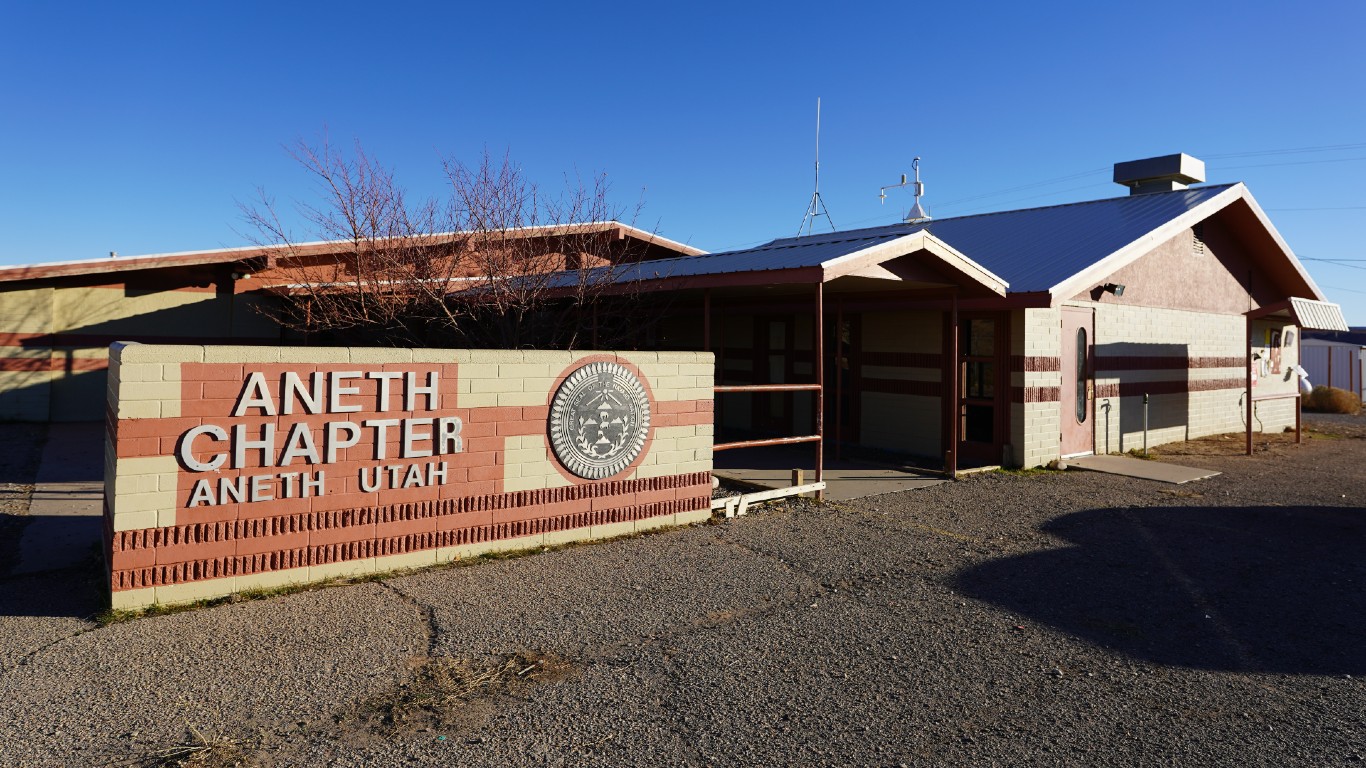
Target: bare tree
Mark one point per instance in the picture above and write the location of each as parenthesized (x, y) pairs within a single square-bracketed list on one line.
[(496, 261)]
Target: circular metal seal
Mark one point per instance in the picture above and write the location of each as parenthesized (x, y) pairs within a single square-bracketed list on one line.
[(599, 419)]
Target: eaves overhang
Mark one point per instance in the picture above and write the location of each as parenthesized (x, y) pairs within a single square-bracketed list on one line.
[(920, 241)]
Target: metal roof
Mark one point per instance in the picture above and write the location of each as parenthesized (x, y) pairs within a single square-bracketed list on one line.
[(1356, 336), (1032, 249), (1319, 315)]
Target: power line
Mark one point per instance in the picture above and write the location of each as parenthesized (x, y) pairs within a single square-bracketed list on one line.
[(1338, 263), (1298, 150), (1293, 162), (1335, 208), (1031, 185)]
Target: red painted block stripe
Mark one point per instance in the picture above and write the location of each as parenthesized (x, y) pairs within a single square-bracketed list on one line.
[(1035, 394), (1021, 363)]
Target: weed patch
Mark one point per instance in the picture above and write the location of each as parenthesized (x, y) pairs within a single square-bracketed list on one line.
[(199, 750), (455, 695), (1027, 471)]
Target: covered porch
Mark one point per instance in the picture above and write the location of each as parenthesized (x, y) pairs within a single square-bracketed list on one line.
[(843, 352)]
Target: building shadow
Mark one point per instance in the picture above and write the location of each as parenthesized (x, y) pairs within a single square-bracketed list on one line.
[(1129, 370), (1265, 589), (80, 591)]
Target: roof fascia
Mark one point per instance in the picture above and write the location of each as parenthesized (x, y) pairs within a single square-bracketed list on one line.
[(757, 278), (922, 240), (626, 230), (102, 266), (1133, 251), (311, 248)]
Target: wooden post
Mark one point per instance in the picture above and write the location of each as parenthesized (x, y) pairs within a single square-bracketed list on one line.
[(820, 381), (951, 391), (1249, 386)]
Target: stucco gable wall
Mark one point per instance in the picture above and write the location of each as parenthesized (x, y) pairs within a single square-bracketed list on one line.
[(1210, 274)]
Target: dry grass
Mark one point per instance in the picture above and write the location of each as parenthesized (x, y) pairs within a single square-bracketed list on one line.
[(199, 750), (1332, 400), (446, 694)]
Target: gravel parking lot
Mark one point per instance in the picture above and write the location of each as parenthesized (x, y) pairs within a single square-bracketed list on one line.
[(1037, 618)]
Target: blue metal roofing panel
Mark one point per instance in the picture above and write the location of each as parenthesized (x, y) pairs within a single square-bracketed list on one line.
[(1031, 249), (1038, 248)]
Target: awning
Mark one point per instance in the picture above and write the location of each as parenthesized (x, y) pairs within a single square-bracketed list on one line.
[(1306, 313)]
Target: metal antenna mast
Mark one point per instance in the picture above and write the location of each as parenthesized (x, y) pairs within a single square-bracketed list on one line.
[(816, 208)]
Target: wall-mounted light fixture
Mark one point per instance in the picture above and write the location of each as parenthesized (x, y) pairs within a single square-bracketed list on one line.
[(1115, 288)]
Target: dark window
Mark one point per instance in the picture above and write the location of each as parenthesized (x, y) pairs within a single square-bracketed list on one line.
[(1081, 376)]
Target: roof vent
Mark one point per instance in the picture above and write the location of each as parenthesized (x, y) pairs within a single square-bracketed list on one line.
[(1160, 174)]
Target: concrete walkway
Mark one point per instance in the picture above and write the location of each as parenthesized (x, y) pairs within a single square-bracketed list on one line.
[(1140, 468), (66, 507)]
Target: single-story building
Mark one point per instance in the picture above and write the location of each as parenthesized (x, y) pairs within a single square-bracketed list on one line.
[(1013, 338)]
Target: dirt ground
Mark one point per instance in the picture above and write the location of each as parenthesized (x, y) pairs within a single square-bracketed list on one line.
[(1025, 618)]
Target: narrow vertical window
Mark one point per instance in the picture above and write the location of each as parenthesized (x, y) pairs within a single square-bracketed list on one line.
[(1081, 376)]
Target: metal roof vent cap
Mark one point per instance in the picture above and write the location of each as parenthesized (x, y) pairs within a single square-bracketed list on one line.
[(1160, 174)]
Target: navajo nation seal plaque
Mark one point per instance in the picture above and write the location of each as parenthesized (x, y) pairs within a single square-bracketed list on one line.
[(599, 419)]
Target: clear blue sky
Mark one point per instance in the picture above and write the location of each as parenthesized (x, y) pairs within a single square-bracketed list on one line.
[(135, 127)]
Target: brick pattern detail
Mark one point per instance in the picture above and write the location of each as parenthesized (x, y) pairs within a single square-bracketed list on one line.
[(299, 557), (1034, 364), (281, 525), (1035, 394)]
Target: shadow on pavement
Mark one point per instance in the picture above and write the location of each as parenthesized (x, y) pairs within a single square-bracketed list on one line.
[(1272, 589), (74, 592)]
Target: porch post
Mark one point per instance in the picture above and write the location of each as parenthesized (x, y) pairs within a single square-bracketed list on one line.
[(820, 382), (951, 391), (1248, 347)]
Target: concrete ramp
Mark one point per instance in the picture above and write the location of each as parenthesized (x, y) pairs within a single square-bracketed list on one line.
[(1143, 469), (841, 484)]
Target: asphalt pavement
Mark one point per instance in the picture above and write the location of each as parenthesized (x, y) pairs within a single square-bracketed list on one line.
[(1037, 618)]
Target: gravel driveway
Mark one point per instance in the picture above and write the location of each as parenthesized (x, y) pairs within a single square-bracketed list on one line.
[(1041, 618)]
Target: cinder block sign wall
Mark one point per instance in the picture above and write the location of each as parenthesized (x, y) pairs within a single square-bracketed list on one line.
[(237, 468)]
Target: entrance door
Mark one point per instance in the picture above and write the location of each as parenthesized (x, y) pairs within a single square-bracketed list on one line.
[(842, 379), (772, 365), (982, 408), (1077, 406)]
